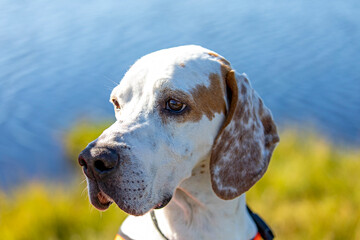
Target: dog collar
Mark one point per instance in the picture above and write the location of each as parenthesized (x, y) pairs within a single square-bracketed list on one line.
[(153, 218), (264, 231)]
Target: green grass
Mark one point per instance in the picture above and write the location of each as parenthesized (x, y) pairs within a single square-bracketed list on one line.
[(311, 191), (58, 211), (41, 211)]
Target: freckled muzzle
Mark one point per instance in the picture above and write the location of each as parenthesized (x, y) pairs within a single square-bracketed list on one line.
[(114, 177)]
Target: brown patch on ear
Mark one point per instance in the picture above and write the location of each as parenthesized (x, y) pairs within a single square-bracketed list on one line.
[(224, 61), (224, 69), (220, 59), (231, 84), (213, 54), (246, 81), (243, 89), (243, 147), (270, 132), (261, 107)]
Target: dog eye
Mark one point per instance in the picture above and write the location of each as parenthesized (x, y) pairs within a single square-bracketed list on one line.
[(175, 106), (116, 104)]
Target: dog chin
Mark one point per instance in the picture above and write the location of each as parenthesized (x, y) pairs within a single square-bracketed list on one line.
[(138, 210)]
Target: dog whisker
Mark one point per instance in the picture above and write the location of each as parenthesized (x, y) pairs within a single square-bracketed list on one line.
[(83, 192), (84, 180)]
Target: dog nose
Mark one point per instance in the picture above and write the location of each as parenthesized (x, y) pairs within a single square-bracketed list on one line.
[(98, 162)]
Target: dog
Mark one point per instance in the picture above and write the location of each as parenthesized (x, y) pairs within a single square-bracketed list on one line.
[(191, 137)]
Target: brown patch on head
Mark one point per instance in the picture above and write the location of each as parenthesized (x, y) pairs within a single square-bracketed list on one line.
[(202, 101), (243, 147), (209, 100), (182, 65)]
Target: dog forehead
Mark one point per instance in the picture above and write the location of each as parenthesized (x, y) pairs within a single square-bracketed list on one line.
[(177, 68)]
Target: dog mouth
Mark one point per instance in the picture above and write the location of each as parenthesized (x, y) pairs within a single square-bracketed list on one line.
[(98, 198), (104, 200), (101, 201), (101, 197), (163, 203)]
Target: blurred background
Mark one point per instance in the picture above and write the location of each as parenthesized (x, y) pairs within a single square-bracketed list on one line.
[(59, 61)]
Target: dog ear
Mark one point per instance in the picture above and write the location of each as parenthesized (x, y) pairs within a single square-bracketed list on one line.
[(244, 144)]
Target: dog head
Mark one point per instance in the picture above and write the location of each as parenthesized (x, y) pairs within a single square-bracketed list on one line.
[(175, 108)]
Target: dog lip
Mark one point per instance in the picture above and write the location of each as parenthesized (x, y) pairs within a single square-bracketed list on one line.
[(103, 198), (101, 201), (163, 203), (101, 206), (98, 198)]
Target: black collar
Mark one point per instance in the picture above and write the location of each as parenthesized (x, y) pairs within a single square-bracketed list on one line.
[(153, 218), (264, 230)]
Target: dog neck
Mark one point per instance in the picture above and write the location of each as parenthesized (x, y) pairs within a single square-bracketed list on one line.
[(194, 214)]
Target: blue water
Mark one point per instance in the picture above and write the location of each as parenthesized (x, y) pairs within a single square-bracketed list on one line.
[(59, 61)]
